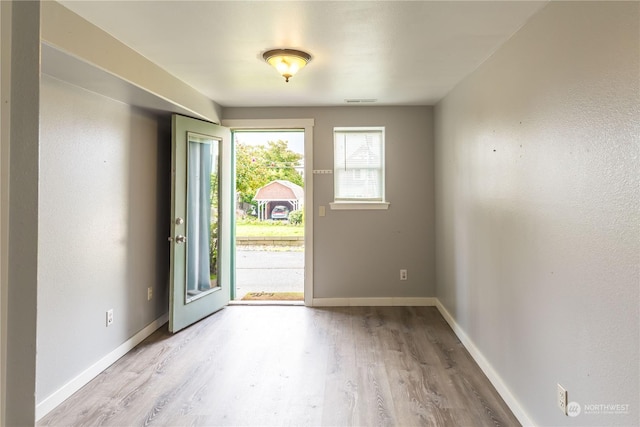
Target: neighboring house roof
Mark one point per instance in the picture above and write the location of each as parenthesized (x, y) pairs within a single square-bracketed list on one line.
[(364, 155), (280, 190)]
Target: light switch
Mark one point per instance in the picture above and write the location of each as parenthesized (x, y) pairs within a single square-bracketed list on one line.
[(321, 211)]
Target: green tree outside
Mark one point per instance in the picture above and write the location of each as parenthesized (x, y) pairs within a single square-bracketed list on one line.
[(256, 166)]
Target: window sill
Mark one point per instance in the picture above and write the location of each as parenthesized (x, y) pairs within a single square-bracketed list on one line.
[(359, 205)]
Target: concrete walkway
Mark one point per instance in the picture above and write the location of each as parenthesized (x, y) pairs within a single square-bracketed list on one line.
[(268, 271)]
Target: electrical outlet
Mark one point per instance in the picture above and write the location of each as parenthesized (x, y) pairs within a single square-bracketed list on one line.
[(562, 399), (149, 293), (403, 274), (109, 317)]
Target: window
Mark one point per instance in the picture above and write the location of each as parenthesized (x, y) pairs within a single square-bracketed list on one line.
[(358, 168)]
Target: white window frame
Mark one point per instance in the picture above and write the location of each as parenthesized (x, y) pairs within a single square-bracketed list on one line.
[(355, 204)]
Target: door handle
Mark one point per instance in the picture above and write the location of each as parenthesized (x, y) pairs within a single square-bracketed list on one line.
[(181, 239)]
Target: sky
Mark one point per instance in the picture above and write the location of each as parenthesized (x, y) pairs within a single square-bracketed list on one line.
[(295, 138)]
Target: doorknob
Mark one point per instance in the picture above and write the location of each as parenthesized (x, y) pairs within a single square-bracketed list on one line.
[(181, 239)]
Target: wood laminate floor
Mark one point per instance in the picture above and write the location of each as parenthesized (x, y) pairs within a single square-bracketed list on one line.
[(294, 366)]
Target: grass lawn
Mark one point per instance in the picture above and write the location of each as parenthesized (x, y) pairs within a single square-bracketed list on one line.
[(267, 228)]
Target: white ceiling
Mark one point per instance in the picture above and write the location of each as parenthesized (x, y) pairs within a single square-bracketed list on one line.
[(397, 52)]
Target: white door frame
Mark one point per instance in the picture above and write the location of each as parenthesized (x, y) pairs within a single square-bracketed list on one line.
[(307, 125)]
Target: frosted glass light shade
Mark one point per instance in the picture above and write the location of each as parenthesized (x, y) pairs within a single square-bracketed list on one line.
[(287, 61)]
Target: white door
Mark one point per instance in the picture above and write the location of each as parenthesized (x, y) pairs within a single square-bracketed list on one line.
[(201, 214)]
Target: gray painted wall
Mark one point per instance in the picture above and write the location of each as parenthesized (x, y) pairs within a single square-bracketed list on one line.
[(537, 203), (104, 218), (20, 283), (360, 253)]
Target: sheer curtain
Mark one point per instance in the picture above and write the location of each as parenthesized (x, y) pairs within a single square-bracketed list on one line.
[(198, 217)]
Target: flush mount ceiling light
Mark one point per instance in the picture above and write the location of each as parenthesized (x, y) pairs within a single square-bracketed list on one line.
[(287, 61)]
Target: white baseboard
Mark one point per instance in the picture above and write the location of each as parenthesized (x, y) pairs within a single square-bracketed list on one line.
[(486, 367), (375, 302), (64, 392)]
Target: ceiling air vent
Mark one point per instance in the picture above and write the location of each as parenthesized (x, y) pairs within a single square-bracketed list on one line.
[(360, 101)]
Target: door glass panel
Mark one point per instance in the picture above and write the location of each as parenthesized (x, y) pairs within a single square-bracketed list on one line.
[(203, 213)]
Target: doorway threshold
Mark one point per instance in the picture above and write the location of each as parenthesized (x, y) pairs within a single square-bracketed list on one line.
[(275, 302)]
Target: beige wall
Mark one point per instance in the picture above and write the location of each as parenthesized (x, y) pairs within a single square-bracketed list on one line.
[(537, 203), (359, 253)]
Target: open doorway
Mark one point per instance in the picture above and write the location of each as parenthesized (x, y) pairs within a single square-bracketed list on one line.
[(269, 215)]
